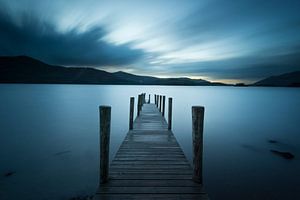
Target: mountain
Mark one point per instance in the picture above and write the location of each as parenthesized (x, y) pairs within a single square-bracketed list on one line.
[(23, 69), (291, 79)]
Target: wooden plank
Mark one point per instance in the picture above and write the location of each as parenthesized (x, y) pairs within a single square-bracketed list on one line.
[(149, 153), (152, 196), (158, 183), (151, 171), (150, 162), (154, 166), (149, 158), (150, 176), (147, 190)]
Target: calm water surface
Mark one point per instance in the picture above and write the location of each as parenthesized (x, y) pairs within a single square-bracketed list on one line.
[(49, 138)]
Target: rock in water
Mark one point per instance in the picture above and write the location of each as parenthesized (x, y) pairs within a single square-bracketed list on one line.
[(273, 141), (286, 155), (9, 174)]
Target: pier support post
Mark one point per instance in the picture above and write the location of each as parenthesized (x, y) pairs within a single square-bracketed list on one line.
[(163, 106), (105, 117), (198, 119), (170, 114), (160, 97), (157, 101), (131, 111), (149, 99), (139, 105)]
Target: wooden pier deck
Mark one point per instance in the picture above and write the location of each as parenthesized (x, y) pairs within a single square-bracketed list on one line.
[(150, 164)]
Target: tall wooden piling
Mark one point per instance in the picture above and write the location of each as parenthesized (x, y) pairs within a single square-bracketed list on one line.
[(105, 118), (160, 98), (198, 119), (139, 105), (170, 114), (163, 105), (149, 98), (158, 101), (131, 112)]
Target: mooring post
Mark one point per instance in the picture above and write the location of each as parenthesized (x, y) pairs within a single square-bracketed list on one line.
[(131, 111), (198, 119), (170, 114), (138, 105), (160, 97), (105, 117), (142, 99), (163, 106), (149, 98), (155, 99)]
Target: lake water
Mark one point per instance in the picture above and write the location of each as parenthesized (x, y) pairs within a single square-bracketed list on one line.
[(50, 138)]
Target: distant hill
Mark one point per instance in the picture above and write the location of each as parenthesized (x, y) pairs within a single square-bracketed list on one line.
[(291, 79), (23, 69)]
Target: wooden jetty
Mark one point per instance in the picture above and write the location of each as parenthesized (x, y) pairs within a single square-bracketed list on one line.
[(150, 163)]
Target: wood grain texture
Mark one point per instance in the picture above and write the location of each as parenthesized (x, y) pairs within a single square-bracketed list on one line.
[(131, 113), (105, 118), (150, 163)]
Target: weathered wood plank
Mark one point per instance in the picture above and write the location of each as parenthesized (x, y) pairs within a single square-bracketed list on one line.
[(149, 176), (147, 190), (157, 183), (151, 196), (150, 162)]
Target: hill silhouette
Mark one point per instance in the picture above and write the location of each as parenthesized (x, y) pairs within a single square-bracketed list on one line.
[(291, 79), (24, 69)]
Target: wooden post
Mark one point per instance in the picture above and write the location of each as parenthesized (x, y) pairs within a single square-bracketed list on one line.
[(155, 99), (170, 114), (149, 98), (163, 106), (131, 111), (105, 117), (198, 119), (160, 103), (139, 105)]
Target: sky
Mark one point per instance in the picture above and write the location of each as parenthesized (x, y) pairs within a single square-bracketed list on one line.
[(227, 41)]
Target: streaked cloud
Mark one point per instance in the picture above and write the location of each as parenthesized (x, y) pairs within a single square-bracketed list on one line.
[(39, 39)]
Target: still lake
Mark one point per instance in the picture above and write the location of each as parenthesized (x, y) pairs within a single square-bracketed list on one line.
[(49, 138)]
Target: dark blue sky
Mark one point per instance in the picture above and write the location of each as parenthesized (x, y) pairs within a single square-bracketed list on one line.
[(227, 41)]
